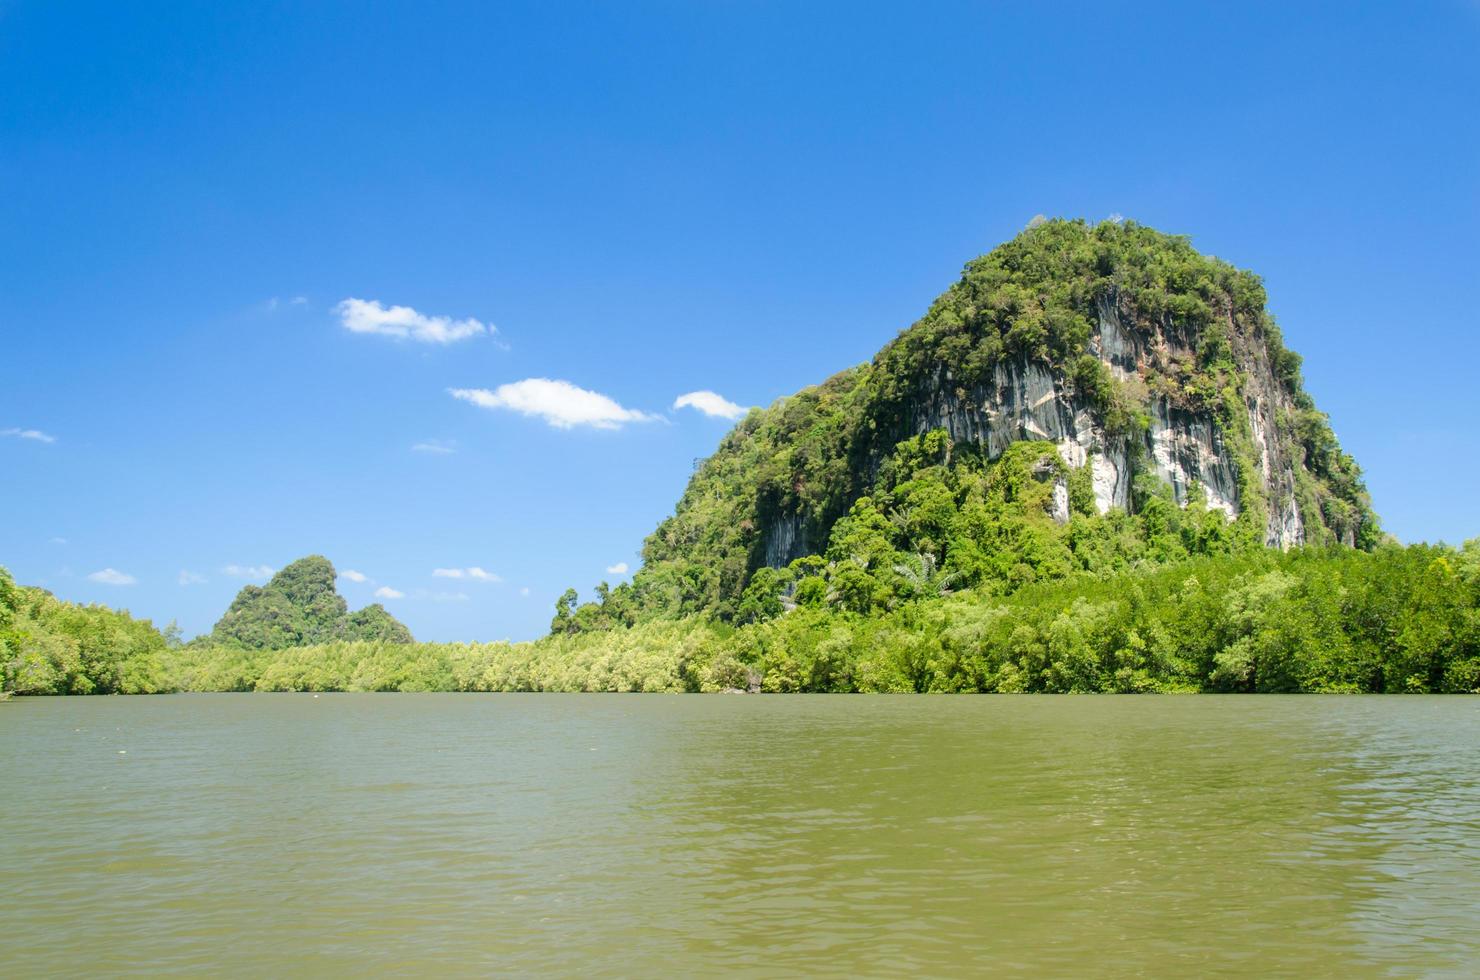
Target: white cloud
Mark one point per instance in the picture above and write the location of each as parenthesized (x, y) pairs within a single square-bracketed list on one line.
[(524, 591), (35, 435), (368, 316), (299, 301), (353, 575), (112, 576), (248, 571), (560, 403), (474, 573), (710, 404), (58, 540), (190, 578), (386, 592), (620, 568), (441, 447)]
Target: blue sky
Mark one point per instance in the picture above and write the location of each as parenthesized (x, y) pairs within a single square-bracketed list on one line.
[(644, 200)]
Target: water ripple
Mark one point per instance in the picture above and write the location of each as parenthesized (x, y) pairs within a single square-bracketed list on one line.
[(275, 835)]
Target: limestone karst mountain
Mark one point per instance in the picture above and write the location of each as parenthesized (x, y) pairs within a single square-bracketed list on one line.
[(1152, 371)]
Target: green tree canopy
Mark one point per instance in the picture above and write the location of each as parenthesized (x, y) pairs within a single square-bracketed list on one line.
[(298, 607)]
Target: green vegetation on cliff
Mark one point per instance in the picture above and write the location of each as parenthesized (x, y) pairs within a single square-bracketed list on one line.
[(941, 519), (298, 607)]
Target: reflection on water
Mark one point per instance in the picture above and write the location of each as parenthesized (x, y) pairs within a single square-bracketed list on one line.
[(286, 834)]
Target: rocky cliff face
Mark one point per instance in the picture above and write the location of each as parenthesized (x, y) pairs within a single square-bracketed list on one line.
[(1184, 448)]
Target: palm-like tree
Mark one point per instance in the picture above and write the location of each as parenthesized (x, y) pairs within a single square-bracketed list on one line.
[(923, 578)]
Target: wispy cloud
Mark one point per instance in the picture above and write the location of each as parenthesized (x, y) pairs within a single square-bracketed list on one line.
[(58, 540), (386, 592), (248, 571), (402, 322), (35, 435), (354, 576), (524, 591), (620, 568), (441, 447), (188, 577), (112, 576), (710, 404), (560, 403), (475, 573)]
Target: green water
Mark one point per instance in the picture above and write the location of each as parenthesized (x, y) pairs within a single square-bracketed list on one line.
[(278, 835)]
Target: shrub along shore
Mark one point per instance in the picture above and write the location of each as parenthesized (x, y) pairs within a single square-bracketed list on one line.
[(1394, 620)]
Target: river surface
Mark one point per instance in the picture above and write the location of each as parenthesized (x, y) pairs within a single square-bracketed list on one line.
[(292, 835)]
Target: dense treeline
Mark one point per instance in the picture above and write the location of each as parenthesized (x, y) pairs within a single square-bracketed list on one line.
[(1396, 620), (52, 647), (1331, 620), (48, 646)]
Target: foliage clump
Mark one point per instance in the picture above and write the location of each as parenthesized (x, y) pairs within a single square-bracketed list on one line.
[(52, 647), (298, 607)]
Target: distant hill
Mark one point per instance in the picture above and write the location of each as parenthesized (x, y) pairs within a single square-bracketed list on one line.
[(299, 607)]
